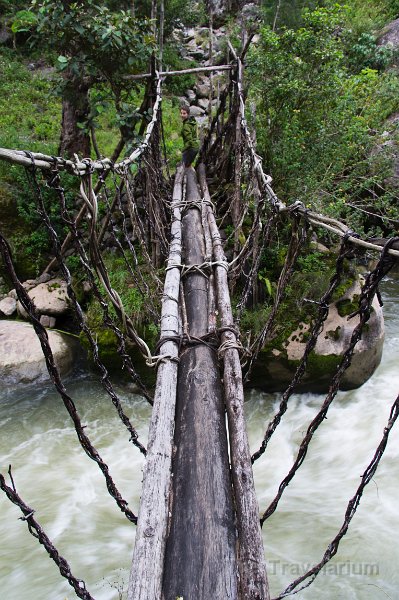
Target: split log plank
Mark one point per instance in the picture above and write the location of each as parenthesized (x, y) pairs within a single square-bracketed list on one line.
[(148, 557), (200, 558), (251, 557)]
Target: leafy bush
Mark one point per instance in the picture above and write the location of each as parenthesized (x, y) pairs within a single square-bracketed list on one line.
[(317, 121)]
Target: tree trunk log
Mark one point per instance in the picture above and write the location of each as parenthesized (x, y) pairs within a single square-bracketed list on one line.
[(200, 554), (251, 558), (148, 556), (75, 111)]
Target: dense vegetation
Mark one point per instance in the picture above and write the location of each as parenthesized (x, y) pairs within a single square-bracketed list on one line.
[(327, 90)]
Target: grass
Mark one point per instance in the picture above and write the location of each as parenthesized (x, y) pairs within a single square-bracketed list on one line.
[(29, 114)]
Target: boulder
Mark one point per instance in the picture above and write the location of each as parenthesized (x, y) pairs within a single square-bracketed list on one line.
[(21, 356), (8, 306), (203, 103), (196, 111), (389, 36), (50, 298), (202, 90), (276, 367), (190, 95)]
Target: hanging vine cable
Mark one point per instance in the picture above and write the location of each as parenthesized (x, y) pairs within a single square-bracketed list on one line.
[(38, 532)]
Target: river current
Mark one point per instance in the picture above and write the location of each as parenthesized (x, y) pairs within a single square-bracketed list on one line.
[(55, 477)]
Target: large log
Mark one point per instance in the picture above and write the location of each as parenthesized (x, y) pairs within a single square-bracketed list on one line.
[(200, 556), (148, 556), (251, 557)]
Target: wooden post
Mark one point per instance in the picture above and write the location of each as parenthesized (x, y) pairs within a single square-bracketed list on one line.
[(236, 205), (251, 559), (148, 556), (200, 559)]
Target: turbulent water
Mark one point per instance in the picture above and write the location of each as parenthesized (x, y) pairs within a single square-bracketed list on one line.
[(68, 492)]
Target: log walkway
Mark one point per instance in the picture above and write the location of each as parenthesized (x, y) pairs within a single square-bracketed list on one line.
[(198, 534)]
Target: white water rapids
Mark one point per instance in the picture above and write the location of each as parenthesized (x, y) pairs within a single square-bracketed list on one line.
[(67, 490)]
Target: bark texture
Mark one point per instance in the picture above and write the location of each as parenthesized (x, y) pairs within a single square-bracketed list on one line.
[(75, 110), (200, 555)]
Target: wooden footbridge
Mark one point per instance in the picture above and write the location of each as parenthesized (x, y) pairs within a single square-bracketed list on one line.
[(198, 526), (198, 534)]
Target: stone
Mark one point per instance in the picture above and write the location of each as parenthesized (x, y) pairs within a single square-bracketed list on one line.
[(21, 356), (389, 36), (189, 34), (196, 111), (87, 287), (202, 90), (50, 298), (190, 95), (203, 103), (275, 368), (5, 34), (8, 306), (44, 278), (47, 321)]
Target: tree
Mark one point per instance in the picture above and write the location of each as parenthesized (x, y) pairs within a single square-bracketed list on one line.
[(96, 45)]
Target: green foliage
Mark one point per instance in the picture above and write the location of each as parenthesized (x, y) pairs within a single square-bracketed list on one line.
[(23, 20), (363, 52), (28, 111), (312, 262), (91, 39), (317, 120)]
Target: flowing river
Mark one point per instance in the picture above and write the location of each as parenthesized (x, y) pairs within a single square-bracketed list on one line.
[(67, 490)]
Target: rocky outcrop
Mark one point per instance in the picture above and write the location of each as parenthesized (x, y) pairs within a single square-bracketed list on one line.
[(21, 356), (389, 36), (8, 306), (276, 366), (50, 299)]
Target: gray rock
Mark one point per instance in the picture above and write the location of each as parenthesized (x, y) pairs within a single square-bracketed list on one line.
[(202, 90), (190, 95), (203, 103), (29, 284), (21, 356), (44, 278), (275, 369), (196, 111), (189, 34), (13, 294), (49, 298), (8, 306), (5, 34), (389, 36), (87, 287), (47, 321)]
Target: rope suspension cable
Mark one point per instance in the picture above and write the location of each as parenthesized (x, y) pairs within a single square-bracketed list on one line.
[(67, 277), (41, 332), (54, 183), (79, 167), (323, 310), (296, 242), (368, 292), (354, 502), (38, 532)]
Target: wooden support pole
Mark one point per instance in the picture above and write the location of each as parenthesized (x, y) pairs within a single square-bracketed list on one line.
[(251, 559), (236, 205), (200, 559), (148, 557), (182, 72)]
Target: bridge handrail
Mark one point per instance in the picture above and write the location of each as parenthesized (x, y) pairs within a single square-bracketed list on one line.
[(80, 167), (333, 225)]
